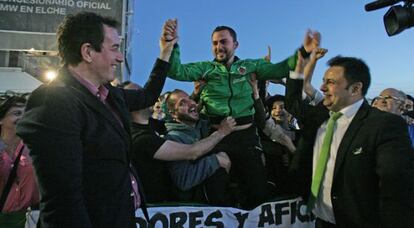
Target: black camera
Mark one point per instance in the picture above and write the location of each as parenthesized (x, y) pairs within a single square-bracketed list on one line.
[(398, 17)]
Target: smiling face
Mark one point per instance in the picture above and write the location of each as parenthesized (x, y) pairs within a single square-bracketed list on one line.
[(389, 101), (185, 109), (105, 62), (337, 92), (223, 46), (278, 111), (11, 118)]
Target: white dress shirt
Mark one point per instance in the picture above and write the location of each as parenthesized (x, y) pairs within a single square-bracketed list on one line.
[(323, 205)]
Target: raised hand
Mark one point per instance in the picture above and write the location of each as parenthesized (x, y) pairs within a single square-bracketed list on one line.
[(318, 53), (312, 40), (169, 37), (170, 31)]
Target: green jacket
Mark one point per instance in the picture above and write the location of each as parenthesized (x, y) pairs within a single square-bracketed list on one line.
[(228, 92)]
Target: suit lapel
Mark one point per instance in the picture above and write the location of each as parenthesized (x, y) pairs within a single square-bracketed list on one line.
[(86, 97), (350, 133)]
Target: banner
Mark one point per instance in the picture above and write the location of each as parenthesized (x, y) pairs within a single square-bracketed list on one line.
[(45, 15), (26, 24), (289, 213)]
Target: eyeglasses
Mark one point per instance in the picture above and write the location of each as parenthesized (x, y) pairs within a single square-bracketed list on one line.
[(388, 98)]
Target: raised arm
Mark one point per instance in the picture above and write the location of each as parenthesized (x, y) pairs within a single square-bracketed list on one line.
[(293, 93), (169, 37), (148, 95), (260, 113), (267, 71), (308, 70), (184, 72)]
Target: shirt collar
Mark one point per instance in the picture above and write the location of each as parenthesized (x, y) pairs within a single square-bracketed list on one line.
[(350, 111), (235, 59), (100, 92)]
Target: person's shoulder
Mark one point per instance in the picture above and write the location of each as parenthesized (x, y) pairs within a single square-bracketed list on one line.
[(383, 119), (378, 114), (53, 99), (53, 90)]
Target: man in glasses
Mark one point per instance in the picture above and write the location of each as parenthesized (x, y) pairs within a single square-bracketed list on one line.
[(395, 101), (390, 100)]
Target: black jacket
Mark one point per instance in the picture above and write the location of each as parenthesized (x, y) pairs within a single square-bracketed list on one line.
[(81, 152), (373, 181)]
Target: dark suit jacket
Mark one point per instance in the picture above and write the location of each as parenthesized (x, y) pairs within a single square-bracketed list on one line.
[(81, 151), (372, 187)]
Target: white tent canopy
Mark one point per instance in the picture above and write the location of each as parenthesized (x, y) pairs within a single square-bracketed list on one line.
[(13, 79)]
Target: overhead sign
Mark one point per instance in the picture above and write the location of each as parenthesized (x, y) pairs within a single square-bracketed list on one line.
[(43, 16), (31, 24)]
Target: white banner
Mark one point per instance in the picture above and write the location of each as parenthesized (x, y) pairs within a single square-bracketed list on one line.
[(289, 213), (286, 213)]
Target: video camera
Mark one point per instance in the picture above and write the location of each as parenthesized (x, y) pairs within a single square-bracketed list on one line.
[(398, 17)]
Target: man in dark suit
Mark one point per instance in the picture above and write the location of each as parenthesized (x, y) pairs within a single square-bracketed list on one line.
[(77, 128), (368, 176)]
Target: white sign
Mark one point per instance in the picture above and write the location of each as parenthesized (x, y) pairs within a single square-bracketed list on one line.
[(289, 213)]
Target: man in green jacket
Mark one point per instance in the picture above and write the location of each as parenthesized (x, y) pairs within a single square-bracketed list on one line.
[(228, 93)]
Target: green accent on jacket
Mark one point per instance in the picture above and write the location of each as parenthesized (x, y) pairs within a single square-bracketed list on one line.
[(228, 92)]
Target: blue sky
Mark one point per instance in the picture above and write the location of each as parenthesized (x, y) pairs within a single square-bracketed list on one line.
[(345, 26)]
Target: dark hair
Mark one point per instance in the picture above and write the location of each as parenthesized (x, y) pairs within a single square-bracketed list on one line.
[(273, 99), (13, 101), (75, 30), (222, 28), (409, 97), (355, 70)]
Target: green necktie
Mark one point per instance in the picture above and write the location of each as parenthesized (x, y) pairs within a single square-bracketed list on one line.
[(323, 159)]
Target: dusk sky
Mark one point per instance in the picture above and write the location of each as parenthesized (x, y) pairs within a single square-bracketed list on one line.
[(346, 29)]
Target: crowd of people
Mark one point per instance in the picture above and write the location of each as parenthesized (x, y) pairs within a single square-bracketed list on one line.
[(91, 149)]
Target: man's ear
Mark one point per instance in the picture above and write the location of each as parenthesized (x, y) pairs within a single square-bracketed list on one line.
[(236, 44), (86, 50), (356, 88)]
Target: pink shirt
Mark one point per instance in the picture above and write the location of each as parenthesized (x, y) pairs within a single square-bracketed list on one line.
[(101, 93), (24, 192)]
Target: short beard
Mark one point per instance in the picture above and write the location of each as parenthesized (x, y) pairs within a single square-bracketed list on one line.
[(223, 61), (186, 118)]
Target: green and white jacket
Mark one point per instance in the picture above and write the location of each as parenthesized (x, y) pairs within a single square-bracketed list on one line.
[(228, 92)]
